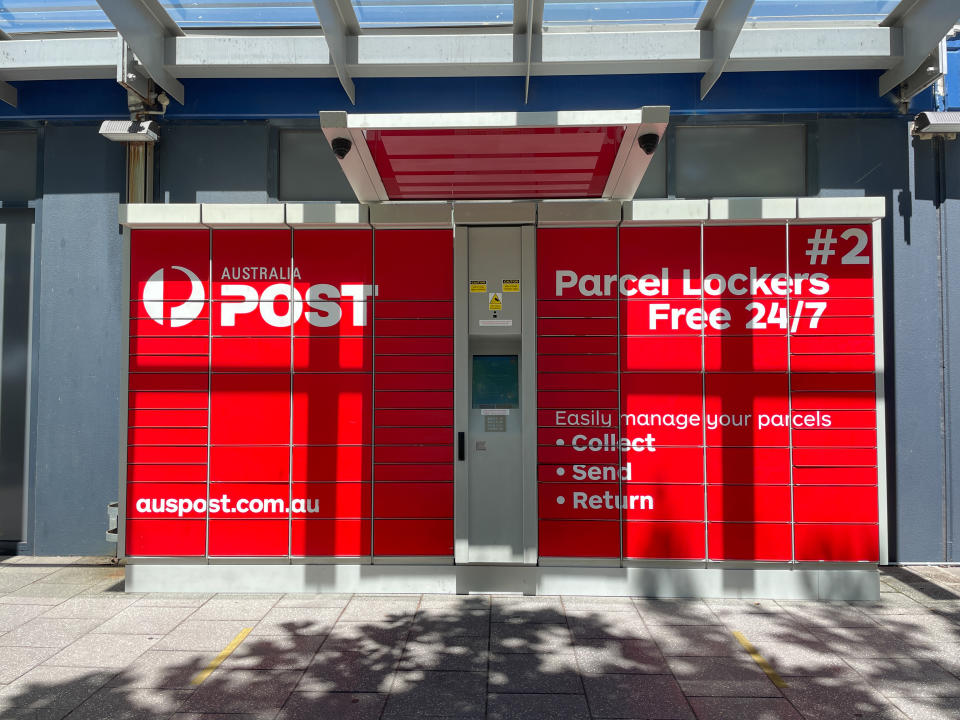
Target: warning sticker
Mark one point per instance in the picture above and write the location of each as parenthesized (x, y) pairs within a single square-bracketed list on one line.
[(478, 286), (496, 302), (510, 285)]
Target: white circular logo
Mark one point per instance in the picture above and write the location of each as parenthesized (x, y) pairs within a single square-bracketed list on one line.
[(181, 314)]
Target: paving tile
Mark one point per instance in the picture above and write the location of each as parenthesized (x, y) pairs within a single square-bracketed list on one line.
[(203, 635), (11, 582), (946, 656), (53, 687), (13, 616), (867, 642), (928, 708), (162, 669), (193, 600), (838, 699), (339, 705), (230, 690), (728, 708), (135, 704), (83, 574), (458, 653), (721, 676), (538, 706), (15, 661), (262, 715), (49, 632), (929, 627), (275, 652), (779, 626), (819, 614), (451, 621), (675, 612), (314, 600), (145, 620), (889, 603), (80, 606), (597, 657), (473, 602), (601, 604), (803, 658), (695, 640), (529, 638), (550, 672), (297, 621), (542, 609), (104, 651), (394, 608), (235, 607), (351, 671), (41, 594), (437, 694), (368, 636), (602, 624), (15, 713), (909, 677), (637, 696)]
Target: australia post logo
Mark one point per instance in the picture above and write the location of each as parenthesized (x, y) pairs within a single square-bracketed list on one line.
[(279, 304)]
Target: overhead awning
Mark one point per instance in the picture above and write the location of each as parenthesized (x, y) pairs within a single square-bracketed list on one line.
[(500, 155)]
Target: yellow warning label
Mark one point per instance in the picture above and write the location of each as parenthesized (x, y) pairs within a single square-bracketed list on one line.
[(496, 303), (510, 285), (478, 286)]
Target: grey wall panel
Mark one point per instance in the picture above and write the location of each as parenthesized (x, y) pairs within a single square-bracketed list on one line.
[(78, 351), (873, 157), (18, 165), (16, 248), (950, 227), (214, 163), (308, 169)]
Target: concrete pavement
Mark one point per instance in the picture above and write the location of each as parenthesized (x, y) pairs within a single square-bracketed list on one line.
[(74, 645)]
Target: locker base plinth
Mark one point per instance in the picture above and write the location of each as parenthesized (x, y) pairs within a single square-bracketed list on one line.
[(813, 581)]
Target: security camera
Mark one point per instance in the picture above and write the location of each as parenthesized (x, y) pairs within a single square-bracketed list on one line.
[(929, 125), (341, 146), (648, 142)]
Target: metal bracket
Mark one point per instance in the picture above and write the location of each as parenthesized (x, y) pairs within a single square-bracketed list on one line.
[(131, 74), (930, 71)]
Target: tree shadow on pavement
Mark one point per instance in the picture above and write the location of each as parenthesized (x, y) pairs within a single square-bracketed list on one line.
[(525, 657)]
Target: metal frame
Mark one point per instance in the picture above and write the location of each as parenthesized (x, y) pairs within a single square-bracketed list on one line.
[(145, 26), (922, 24), (724, 20), (338, 19), (629, 165)]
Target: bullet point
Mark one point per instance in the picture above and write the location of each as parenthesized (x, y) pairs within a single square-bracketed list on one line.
[(560, 441), (560, 500), (560, 471)]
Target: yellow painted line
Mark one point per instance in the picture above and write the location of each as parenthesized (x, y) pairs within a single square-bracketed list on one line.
[(224, 654), (760, 660)]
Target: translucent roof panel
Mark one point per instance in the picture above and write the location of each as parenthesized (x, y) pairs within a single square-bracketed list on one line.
[(27, 16), (432, 13), (241, 13), (611, 12), (868, 11)]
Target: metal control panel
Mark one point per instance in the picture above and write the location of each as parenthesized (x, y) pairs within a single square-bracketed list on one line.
[(495, 472), (494, 257)]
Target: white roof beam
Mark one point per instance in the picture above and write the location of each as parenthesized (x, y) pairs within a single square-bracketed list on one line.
[(8, 93), (144, 25), (532, 24), (724, 19), (337, 18), (923, 23)]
